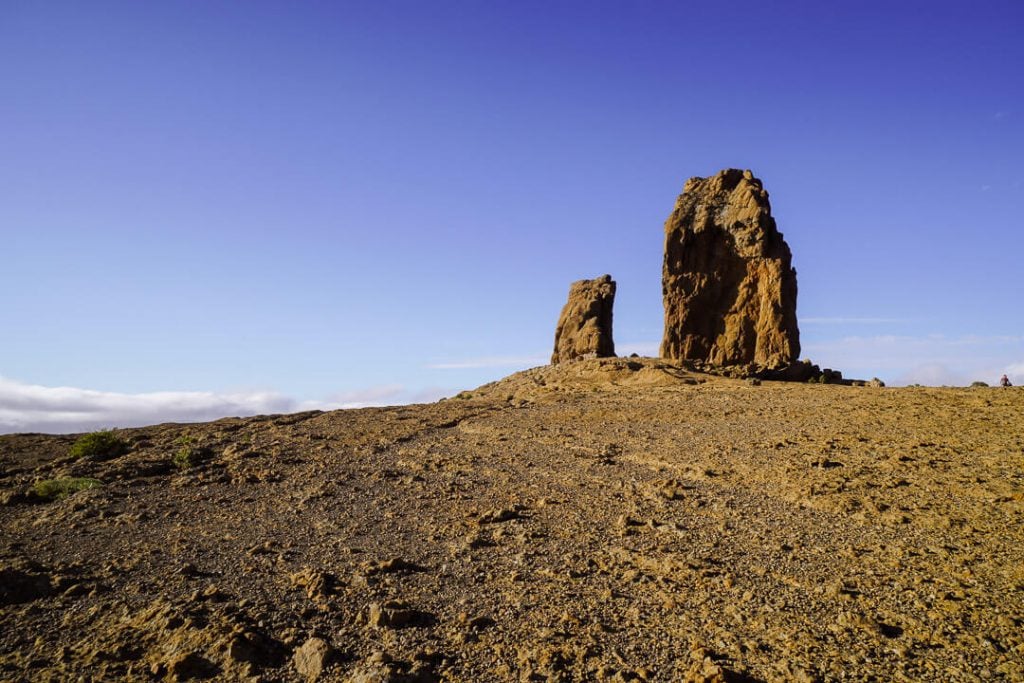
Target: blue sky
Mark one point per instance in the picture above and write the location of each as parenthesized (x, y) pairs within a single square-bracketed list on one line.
[(344, 203)]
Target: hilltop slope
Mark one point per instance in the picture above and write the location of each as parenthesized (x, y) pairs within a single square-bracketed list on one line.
[(603, 520)]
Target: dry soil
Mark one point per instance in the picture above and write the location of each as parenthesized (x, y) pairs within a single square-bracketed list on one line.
[(607, 520)]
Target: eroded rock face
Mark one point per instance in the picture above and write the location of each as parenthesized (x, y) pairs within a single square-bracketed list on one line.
[(585, 326), (728, 284)]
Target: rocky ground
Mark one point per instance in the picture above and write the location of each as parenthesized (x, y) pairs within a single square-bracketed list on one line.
[(619, 520)]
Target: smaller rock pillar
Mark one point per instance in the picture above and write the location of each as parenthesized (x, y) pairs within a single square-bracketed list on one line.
[(585, 326)]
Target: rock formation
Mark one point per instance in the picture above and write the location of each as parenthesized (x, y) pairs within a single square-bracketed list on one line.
[(728, 284), (585, 326)]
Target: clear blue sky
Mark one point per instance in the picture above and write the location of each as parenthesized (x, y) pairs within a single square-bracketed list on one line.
[(330, 200)]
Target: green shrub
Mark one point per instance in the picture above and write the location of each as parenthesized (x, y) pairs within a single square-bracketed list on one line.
[(187, 454), (52, 489), (978, 384), (101, 445)]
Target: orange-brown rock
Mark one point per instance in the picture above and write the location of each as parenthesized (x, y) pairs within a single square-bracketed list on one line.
[(728, 284), (585, 326)]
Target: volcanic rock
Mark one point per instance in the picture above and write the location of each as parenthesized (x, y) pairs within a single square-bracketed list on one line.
[(659, 524), (313, 657), (585, 326), (728, 284)]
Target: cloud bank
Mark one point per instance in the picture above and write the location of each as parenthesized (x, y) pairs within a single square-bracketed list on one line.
[(932, 360), (34, 408)]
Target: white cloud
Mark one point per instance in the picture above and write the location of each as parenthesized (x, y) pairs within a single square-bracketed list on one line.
[(930, 359), (34, 408), (431, 394), (387, 393), (932, 374), (490, 362), (1015, 371)]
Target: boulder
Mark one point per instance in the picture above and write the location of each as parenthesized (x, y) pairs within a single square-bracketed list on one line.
[(312, 658), (585, 326), (728, 284)]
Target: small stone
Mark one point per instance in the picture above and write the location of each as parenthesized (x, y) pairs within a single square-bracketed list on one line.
[(75, 590), (312, 658), (499, 515), (242, 650), (480, 623), (394, 565), (395, 614), (188, 569)]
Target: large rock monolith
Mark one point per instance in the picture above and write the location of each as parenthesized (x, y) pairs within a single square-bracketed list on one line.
[(585, 326), (728, 284)]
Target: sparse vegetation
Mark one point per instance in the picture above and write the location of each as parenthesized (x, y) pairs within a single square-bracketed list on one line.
[(56, 489), (187, 454), (100, 445)]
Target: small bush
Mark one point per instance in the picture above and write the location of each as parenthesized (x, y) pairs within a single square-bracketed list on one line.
[(55, 489), (187, 454), (978, 384), (101, 445)]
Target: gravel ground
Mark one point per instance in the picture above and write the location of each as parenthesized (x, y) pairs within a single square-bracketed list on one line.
[(621, 520)]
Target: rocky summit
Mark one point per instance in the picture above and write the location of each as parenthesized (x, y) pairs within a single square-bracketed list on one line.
[(613, 519), (728, 284), (585, 326)]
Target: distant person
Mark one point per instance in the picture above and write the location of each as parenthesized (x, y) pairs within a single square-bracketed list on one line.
[(1004, 381)]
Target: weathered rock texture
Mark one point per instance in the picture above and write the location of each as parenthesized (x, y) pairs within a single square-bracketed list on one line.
[(585, 326), (728, 284)]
